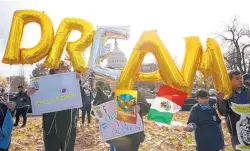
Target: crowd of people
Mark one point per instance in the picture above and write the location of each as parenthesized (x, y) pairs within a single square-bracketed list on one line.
[(59, 128)]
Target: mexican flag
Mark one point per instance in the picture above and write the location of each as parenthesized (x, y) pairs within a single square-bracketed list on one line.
[(167, 102)]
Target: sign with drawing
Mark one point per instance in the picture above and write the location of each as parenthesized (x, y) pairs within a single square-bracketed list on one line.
[(126, 101), (55, 93), (109, 126), (243, 126)]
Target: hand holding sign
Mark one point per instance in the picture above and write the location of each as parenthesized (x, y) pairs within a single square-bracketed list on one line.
[(59, 95), (110, 127), (30, 91), (126, 105)]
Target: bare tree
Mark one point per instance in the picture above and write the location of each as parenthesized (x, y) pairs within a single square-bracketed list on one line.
[(201, 82), (16, 81), (235, 38)]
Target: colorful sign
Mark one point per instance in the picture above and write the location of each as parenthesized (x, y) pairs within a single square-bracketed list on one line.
[(126, 101), (243, 125), (111, 128), (55, 93)]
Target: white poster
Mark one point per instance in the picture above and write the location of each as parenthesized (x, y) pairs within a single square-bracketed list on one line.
[(55, 93), (110, 127), (243, 125)]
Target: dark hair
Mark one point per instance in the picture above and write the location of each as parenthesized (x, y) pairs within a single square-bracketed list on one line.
[(52, 71), (232, 73), (246, 76), (100, 96), (2, 90), (20, 87), (201, 93)]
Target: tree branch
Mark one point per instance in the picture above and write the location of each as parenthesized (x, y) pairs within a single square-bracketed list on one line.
[(224, 38), (243, 49)]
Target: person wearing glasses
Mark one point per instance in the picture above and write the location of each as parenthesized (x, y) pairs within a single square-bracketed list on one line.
[(240, 95)]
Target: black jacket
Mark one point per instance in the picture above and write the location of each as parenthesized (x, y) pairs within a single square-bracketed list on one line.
[(225, 110), (22, 99), (100, 98), (86, 98)]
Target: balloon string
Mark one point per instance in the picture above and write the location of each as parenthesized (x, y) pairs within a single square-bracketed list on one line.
[(9, 86)]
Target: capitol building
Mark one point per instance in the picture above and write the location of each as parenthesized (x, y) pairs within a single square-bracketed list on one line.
[(117, 59)]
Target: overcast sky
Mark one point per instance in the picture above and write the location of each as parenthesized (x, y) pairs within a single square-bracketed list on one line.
[(173, 20)]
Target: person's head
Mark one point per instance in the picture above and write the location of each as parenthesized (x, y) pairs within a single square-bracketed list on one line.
[(63, 67), (246, 78), (11, 105), (202, 96), (20, 88), (52, 71), (236, 79), (135, 88)]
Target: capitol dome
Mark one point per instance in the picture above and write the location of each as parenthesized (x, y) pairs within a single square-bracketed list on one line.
[(117, 59)]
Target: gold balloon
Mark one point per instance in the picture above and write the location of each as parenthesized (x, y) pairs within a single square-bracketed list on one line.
[(16, 55), (191, 61), (209, 62), (205, 64), (149, 77), (218, 69), (74, 49), (168, 72)]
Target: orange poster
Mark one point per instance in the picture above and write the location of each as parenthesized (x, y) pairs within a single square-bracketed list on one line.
[(126, 101)]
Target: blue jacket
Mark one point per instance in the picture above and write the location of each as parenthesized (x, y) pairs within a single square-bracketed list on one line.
[(208, 135), (6, 130)]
